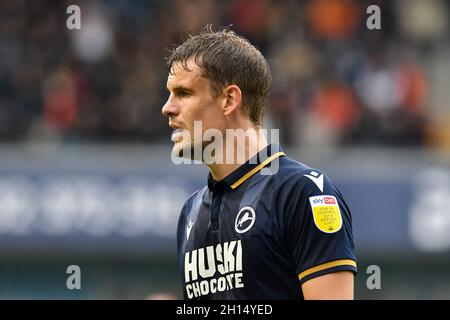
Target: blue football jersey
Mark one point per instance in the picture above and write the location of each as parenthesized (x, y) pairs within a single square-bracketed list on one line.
[(262, 231)]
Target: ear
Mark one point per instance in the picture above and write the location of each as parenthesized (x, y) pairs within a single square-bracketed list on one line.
[(233, 98)]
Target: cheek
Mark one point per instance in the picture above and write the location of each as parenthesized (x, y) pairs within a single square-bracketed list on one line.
[(192, 112), (206, 110), (215, 115), (198, 109)]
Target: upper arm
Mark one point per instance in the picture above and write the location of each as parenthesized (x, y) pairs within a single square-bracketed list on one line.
[(319, 234), (332, 286)]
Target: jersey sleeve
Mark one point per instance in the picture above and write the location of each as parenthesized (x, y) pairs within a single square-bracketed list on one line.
[(319, 228), (181, 236)]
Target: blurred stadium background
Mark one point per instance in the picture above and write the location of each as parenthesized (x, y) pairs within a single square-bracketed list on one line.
[(85, 170)]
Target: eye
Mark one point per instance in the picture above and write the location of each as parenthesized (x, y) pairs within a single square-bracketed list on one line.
[(183, 93)]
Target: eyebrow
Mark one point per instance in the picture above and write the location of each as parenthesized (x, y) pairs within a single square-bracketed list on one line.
[(179, 88)]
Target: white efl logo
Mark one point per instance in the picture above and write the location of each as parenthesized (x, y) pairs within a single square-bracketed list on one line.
[(188, 229), (245, 219), (316, 178)]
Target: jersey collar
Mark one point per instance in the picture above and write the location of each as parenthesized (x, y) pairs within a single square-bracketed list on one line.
[(248, 169)]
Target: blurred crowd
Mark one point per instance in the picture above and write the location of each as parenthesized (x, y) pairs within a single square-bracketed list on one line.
[(335, 82)]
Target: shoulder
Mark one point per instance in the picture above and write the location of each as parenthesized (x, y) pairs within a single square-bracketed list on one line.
[(304, 190), (196, 196), (193, 201), (296, 184), (294, 174)]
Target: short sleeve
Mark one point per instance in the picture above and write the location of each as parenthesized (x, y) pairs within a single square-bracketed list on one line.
[(318, 227)]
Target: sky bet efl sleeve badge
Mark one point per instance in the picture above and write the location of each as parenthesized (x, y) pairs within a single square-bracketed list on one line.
[(326, 213)]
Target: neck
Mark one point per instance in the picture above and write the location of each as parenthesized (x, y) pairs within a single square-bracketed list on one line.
[(237, 153)]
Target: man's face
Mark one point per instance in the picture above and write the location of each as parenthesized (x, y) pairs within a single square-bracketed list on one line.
[(191, 99)]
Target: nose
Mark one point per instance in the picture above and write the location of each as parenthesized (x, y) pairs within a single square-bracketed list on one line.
[(169, 109)]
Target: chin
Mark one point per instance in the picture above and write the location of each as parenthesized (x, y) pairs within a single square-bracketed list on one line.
[(179, 150), (185, 150)]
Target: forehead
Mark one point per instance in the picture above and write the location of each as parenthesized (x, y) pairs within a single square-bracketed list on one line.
[(179, 76)]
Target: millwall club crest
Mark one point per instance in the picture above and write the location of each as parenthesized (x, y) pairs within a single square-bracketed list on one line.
[(245, 219)]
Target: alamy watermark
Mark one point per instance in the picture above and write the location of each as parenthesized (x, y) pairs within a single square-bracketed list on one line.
[(73, 21), (373, 22), (374, 280), (212, 146), (74, 280)]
